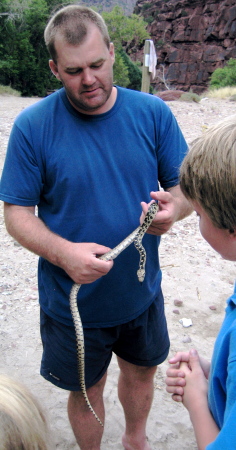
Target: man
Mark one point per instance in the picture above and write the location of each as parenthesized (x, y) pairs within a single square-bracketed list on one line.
[(86, 156)]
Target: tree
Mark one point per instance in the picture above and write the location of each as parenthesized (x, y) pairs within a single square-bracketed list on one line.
[(24, 57), (122, 30), (134, 73)]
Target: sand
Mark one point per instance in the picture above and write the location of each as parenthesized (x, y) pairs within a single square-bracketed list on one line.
[(192, 274)]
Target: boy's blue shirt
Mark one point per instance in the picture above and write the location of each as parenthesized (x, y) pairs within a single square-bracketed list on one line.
[(222, 382)]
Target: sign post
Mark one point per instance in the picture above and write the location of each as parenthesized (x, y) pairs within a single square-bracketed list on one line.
[(145, 72)]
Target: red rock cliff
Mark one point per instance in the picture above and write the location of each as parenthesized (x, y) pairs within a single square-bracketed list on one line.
[(192, 39)]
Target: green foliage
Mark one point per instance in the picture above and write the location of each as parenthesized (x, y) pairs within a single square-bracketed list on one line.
[(190, 97), (134, 73), (146, 6), (149, 19), (7, 90), (224, 77), (124, 29), (121, 73), (23, 54)]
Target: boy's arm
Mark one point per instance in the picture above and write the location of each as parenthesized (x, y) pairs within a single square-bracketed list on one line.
[(195, 400)]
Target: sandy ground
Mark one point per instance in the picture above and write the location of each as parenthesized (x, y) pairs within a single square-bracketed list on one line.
[(192, 273)]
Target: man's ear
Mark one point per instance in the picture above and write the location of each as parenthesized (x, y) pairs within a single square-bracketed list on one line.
[(53, 68)]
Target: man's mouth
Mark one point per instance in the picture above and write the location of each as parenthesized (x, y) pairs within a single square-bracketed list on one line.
[(90, 91)]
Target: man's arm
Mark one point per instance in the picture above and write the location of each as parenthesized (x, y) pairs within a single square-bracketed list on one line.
[(173, 206), (79, 260)]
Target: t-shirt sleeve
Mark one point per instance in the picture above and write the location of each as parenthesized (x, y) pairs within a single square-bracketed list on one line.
[(172, 148), (21, 181)]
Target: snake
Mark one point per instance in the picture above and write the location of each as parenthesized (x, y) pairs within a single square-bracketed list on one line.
[(136, 237)]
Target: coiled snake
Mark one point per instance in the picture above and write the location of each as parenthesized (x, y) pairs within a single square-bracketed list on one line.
[(136, 236)]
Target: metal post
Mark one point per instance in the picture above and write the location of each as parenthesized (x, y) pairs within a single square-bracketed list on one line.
[(145, 72)]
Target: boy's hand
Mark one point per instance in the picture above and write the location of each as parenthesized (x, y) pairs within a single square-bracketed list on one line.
[(175, 380), (196, 386), (176, 374)]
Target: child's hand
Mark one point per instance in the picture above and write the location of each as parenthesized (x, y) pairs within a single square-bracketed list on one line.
[(175, 380), (196, 386), (176, 375)]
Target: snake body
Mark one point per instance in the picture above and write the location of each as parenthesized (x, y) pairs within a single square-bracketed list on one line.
[(136, 236)]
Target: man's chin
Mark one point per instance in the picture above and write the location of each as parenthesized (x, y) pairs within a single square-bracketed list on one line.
[(92, 104)]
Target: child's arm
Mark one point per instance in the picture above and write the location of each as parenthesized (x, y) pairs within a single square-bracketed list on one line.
[(195, 400)]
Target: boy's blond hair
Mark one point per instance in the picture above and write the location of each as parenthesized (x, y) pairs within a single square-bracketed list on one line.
[(72, 23), (208, 173), (22, 423)]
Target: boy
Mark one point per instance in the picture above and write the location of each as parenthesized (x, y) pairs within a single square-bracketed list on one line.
[(208, 180)]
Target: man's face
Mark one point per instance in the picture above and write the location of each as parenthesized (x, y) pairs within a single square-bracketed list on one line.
[(86, 71)]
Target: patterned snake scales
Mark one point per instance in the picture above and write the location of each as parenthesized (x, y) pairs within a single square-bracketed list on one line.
[(136, 236)]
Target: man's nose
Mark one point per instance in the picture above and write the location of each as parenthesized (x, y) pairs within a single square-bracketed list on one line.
[(88, 77)]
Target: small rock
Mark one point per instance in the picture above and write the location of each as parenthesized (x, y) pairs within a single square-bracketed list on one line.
[(213, 307), (16, 244), (186, 339), (186, 322), (178, 302), (175, 311)]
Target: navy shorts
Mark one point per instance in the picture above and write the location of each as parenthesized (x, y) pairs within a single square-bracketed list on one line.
[(143, 341)]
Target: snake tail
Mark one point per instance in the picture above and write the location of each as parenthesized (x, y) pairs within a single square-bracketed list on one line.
[(80, 346)]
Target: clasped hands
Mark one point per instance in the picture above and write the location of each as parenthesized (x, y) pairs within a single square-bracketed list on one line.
[(187, 378)]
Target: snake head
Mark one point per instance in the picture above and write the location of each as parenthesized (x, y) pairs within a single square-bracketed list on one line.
[(141, 275)]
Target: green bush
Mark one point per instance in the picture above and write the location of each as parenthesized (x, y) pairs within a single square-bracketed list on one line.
[(7, 90), (224, 77), (23, 54), (190, 97), (134, 73)]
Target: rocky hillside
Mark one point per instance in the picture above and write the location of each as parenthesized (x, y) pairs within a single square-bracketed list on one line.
[(108, 5), (192, 39)]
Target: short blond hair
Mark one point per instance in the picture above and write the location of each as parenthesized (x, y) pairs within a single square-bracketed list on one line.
[(22, 422), (208, 173), (72, 22)]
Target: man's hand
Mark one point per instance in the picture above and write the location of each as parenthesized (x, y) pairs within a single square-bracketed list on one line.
[(82, 264), (79, 260), (173, 206)]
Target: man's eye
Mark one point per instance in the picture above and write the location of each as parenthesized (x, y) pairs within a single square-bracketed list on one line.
[(74, 72), (96, 66)]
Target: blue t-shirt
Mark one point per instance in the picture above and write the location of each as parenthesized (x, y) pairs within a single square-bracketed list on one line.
[(222, 382), (88, 174)]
